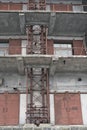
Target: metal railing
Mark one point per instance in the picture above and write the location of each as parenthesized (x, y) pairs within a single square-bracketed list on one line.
[(60, 51)]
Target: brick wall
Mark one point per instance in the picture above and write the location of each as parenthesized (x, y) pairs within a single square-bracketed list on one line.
[(14, 46), (50, 49), (15, 6), (3, 6), (61, 7), (10, 6), (68, 109), (18, 6), (78, 47)]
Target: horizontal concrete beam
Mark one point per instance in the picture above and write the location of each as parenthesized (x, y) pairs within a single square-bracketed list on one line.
[(69, 64), (44, 126), (17, 64), (47, 1), (59, 23)]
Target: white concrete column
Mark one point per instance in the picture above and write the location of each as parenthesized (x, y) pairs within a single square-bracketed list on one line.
[(52, 114), (22, 115), (23, 45), (84, 108)]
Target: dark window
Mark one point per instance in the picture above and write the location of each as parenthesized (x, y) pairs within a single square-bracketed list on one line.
[(84, 2), (85, 8)]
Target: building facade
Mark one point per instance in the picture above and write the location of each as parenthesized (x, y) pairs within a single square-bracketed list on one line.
[(43, 62)]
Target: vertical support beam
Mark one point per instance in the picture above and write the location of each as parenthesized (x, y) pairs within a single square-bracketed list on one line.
[(31, 87), (29, 39), (26, 72), (48, 104), (43, 39), (38, 78), (42, 85), (39, 93)]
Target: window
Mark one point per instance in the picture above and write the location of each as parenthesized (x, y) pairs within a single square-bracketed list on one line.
[(48, 7), (63, 49), (84, 2), (77, 8), (85, 8), (4, 48)]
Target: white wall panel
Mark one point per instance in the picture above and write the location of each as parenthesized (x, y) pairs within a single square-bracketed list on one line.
[(22, 108), (52, 115), (24, 7), (84, 107), (62, 82), (77, 8), (24, 43)]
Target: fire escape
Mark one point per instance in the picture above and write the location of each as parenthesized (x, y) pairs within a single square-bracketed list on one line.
[(37, 77)]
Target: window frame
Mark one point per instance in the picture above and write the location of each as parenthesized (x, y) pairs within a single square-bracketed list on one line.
[(4, 47), (64, 48)]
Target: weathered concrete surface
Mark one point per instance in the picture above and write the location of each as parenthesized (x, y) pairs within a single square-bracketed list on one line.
[(47, 1), (60, 82), (41, 18), (64, 81), (69, 23), (18, 63), (11, 81), (49, 127), (43, 127), (9, 23), (11, 127), (58, 23), (67, 64)]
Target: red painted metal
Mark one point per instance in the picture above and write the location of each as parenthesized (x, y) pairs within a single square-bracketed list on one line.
[(31, 4), (2, 109), (39, 5), (37, 78), (12, 110), (9, 109), (37, 39), (37, 106), (42, 4), (68, 109)]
